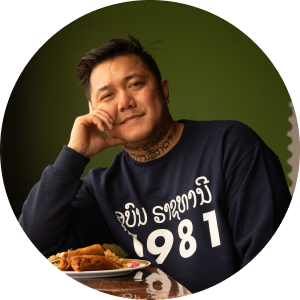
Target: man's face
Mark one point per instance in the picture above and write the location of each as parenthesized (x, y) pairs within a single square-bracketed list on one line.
[(130, 94)]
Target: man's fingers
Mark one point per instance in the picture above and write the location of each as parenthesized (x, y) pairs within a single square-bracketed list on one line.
[(100, 120), (102, 112), (103, 116)]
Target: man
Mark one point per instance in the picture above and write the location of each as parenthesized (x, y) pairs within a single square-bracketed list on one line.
[(197, 199)]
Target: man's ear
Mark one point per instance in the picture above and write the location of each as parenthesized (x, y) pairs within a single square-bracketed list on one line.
[(165, 89)]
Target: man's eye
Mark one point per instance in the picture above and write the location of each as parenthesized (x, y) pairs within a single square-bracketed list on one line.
[(106, 96), (135, 84)]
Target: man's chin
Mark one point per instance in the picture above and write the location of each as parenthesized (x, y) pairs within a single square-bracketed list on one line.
[(136, 140), (137, 135)]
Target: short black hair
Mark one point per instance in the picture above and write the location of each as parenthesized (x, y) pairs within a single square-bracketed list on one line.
[(113, 48)]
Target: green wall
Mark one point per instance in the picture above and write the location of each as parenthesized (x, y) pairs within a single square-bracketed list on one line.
[(215, 72)]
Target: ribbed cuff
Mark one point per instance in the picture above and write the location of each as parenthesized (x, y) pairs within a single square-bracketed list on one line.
[(71, 162)]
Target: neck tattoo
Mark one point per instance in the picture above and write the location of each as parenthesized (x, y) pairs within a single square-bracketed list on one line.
[(152, 149)]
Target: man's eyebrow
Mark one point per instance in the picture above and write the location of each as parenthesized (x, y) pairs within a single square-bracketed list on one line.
[(105, 87), (132, 76)]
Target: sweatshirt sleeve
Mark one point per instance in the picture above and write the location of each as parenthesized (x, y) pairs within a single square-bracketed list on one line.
[(59, 212), (257, 200)]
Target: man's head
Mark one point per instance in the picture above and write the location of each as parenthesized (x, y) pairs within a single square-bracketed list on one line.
[(129, 90), (113, 48)]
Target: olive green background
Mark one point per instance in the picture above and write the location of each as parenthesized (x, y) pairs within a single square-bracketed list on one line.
[(215, 72)]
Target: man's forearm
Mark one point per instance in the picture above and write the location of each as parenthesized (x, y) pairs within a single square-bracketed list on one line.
[(46, 212)]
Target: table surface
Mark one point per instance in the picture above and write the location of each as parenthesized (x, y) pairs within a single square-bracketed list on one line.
[(147, 283)]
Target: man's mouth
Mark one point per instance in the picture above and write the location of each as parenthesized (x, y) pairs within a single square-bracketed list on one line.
[(131, 119)]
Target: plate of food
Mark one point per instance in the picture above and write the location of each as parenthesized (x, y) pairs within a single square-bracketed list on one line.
[(95, 261)]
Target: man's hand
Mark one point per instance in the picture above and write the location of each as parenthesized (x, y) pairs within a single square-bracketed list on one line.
[(85, 138)]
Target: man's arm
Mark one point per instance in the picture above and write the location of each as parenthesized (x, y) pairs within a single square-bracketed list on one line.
[(257, 200), (60, 212)]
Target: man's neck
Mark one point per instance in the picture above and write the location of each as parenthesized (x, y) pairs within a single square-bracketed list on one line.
[(160, 146)]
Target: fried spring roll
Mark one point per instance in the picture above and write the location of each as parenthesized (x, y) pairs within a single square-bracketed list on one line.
[(91, 250), (91, 263), (64, 261)]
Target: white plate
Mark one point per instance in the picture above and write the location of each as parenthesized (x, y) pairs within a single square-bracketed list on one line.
[(108, 273)]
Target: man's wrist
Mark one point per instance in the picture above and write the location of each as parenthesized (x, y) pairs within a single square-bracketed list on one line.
[(71, 162), (77, 149)]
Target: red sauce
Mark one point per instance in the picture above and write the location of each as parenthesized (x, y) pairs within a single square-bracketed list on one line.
[(134, 263)]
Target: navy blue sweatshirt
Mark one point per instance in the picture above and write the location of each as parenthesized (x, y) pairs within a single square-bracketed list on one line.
[(200, 212)]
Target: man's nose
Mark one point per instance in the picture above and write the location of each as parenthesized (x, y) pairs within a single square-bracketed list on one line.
[(126, 101)]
